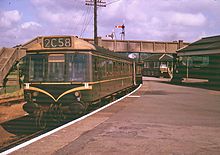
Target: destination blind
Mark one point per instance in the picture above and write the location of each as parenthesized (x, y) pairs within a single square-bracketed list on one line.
[(57, 42)]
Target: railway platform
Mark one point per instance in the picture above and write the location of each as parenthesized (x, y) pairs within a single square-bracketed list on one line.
[(159, 118)]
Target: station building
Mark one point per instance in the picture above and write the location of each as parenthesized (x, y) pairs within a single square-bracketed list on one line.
[(201, 59), (158, 65)]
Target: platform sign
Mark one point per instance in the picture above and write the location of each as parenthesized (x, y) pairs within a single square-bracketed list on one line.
[(57, 42)]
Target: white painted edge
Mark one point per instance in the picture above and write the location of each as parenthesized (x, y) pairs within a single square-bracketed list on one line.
[(134, 96), (64, 126)]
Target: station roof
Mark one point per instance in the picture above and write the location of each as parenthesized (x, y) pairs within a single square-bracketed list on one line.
[(204, 46), (159, 57)]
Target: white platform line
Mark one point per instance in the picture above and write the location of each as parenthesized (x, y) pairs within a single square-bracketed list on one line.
[(63, 126), (134, 96)]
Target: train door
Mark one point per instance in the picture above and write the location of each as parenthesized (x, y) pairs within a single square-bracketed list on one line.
[(96, 72)]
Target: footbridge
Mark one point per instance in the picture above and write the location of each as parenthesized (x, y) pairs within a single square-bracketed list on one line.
[(141, 46), (10, 56)]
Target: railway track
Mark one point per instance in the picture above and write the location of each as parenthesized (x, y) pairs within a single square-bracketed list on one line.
[(16, 131), (18, 140), (20, 130)]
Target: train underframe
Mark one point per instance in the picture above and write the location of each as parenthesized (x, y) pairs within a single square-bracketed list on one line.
[(54, 112), (46, 111)]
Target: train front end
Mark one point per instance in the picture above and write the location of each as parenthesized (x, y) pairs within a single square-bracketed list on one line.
[(56, 78)]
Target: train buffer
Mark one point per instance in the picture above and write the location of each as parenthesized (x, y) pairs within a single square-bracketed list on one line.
[(159, 118)]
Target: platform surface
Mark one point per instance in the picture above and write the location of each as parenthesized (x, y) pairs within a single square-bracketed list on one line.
[(159, 118)]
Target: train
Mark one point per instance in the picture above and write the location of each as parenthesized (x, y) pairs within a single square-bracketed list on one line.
[(65, 75)]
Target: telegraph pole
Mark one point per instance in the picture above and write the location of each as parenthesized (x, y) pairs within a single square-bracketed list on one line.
[(95, 23), (95, 3)]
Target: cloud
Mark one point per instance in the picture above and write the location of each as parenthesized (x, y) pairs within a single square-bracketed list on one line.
[(162, 20), (30, 25), (66, 18), (7, 18), (188, 19), (19, 33), (59, 5)]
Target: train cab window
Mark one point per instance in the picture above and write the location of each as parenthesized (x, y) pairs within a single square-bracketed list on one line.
[(37, 67), (77, 67), (56, 67)]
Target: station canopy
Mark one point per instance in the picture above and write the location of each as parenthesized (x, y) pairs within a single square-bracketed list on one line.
[(204, 46), (159, 57)]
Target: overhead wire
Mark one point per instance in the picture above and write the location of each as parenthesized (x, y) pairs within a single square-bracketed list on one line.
[(87, 17), (79, 7), (112, 2), (83, 18), (87, 20)]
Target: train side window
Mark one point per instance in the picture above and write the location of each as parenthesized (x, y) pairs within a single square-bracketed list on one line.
[(123, 69), (127, 69), (110, 68), (95, 64), (95, 68), (107, 68), (102, 66), (119, 68), (99, 68), (114, 68)]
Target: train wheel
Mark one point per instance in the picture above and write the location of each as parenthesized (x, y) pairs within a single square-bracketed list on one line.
[(78, 109), (84, 107), (56, 114), (60, 115), (41, 120)]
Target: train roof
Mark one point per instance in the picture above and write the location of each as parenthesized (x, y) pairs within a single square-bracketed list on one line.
[(40, 44)]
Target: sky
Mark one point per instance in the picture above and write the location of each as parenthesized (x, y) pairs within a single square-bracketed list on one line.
[(150, 20)]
